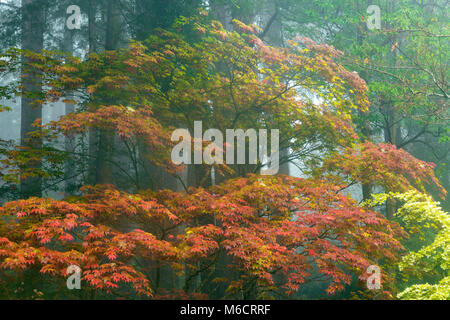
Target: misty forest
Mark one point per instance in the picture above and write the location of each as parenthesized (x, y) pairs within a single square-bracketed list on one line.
[(102, 196)]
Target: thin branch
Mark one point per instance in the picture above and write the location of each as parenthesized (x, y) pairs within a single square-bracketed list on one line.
[(270, 22)]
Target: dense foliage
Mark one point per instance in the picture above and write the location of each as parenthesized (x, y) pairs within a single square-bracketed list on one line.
[(107, 198), (420, 214)]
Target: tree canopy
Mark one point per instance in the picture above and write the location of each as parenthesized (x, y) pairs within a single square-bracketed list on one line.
[(362, 117)]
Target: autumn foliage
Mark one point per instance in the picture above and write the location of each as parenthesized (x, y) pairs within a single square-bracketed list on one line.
[(249, 236), (273, 230)]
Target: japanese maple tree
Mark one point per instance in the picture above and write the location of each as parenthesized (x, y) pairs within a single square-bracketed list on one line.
[(273, 230)]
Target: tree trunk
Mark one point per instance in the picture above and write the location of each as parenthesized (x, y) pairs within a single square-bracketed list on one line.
[(273, 33), (393, 128), (92, 28), (222, 12), (105, 138), (69, 178), (93, 133), (32, 39), (113, 25)]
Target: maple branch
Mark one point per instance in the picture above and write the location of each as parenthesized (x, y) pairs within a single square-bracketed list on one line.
[(412, 139), (182, 182), (271, 21), (200, 270), (9, 5)]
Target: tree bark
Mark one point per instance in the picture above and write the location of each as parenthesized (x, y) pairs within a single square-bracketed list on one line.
[(273, 33), (69, 178), (105, 138), (32, 39)]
